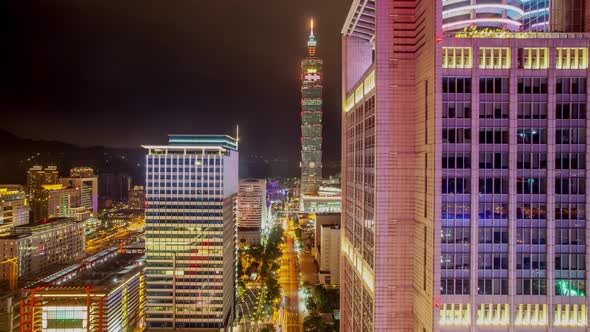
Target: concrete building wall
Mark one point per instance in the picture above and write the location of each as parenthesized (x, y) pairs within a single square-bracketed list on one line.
[(330, 254)]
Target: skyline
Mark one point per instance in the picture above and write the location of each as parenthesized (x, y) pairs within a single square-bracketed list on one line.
[(164, 81)]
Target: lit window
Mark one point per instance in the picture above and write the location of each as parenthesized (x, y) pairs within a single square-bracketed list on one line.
[(533, 58), (457, 57), (494, 57), (493, 314), (570, 315), (531, 315), (455, 314), (571, 58), (359, 93)]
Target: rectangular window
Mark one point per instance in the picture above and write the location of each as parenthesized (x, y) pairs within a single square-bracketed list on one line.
[(571, 58), (459, 160), (493, 160), (456, 85), (570, 85), (494, 58), (493, 186), (531, 186), (458, 185), (532, 110), (532, 85), (531, 136), (573, 111), (456, 135), (493, 110), (532, 160), (533, 58), (456, 110), (570, 136), (457, 57), (570, 186), (493, 136), (494, 85)]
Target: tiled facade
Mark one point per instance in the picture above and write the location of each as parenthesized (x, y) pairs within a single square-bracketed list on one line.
[(513, 174), (464, 176), (388, 139)]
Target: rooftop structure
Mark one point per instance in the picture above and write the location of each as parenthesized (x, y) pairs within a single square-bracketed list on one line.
[(224, 141), (104, 292)]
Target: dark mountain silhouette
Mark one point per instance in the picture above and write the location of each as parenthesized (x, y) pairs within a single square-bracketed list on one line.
[(19, 154)]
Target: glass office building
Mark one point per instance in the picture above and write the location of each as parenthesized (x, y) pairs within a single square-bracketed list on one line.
[(190, 232)]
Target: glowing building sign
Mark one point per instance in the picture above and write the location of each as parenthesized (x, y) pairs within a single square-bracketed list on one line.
[(312, 77)]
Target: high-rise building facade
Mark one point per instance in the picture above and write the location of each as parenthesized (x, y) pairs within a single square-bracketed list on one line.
[(190, 232), (114, 187), (252, 209), (311, 119), (136, 198), (14, 209), (37, 176), (84, 180), (465, 167), (61, 201), (251, 203)]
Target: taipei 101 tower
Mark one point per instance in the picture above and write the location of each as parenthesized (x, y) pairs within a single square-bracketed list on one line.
[(311, 119)]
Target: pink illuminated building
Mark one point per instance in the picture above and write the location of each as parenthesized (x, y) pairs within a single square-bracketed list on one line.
[(464, 161)]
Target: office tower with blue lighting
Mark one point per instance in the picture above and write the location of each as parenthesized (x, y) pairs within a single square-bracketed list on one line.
[(190, 232)]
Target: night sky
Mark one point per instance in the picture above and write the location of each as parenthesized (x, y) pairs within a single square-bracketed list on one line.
[(124, 73)]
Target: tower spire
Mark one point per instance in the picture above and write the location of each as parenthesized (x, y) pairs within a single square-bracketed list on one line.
[(311, 43)]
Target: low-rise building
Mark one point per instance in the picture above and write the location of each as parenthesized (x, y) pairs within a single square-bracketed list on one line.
[(41, 246), (104, 292), (330, 203), (84, 180), (329, 255), (327, 247), (61, 201), (91, 225), (10, 310), (252, 209)]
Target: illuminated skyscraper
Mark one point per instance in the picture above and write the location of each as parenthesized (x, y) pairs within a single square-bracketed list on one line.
[(84, 180), (465, 173), (311, 119), (252, 210), (37, 176), (190, 232)]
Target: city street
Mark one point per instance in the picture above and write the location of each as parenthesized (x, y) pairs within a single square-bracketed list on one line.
[(122, 234), (291, 316), (308, 268)]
